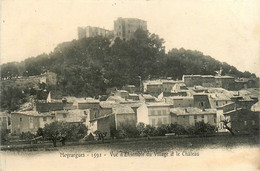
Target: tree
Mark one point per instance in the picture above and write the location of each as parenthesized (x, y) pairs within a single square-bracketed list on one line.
[(27, 136), (3, 136), (201, 128), (141, 128), (40, 132), (63, 131), (101, 135), (177, 129), (130, 131), (226, 125), (54, 131)]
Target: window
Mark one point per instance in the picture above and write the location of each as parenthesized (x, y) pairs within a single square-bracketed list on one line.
[(202, 104), (83, 120), (159, 121), (153, 121), (85, 112), (164, 112), (202, 116), (21, 119), (245, 123), (217, 103), (64, 115), (253, 122), (183, 116), (195, 117), (164, 120), (214, 120), (52, 117), (44, 119), (159, 112)]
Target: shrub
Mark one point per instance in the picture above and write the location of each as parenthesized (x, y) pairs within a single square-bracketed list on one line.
[(129, 131), (39, 132), (162, 130), (201, 128), (141, 128), (27, 136), (177, 129), (4, 136), (150, 130)]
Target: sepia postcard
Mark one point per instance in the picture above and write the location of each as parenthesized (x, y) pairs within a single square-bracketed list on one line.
[(129, 85)]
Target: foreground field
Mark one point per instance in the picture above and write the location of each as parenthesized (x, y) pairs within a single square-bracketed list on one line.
[(158, 153), (143, 144)]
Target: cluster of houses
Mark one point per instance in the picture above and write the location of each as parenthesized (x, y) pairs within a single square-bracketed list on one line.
[(162, 102)]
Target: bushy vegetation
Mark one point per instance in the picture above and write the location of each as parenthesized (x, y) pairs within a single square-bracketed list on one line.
[(26, 136), (89, 66), (61, 131), (4, 136), (201, 128), (12, 96), (142, 130)]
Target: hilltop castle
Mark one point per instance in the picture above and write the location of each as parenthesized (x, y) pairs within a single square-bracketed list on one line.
[(124, 28)]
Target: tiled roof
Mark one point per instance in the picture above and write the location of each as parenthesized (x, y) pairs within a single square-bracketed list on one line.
[(207, 76), (256, 107), (115, 98), (133, 104), (180, 97), (157, 104), (86, 100), (122, 109), (122, 91), (107, 104), (148, 96), (33, 113)]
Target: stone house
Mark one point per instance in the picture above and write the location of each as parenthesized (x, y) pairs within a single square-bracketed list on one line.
[(4, 124), (244, 121), (188, 116), (29, 121), (226, 82), (201, 101), (180, 101), (154, 113), (113, 119)]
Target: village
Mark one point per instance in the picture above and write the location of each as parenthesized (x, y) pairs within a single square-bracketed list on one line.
[(214, 100)]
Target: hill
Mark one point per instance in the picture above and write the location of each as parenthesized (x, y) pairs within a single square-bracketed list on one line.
[(87, 67)]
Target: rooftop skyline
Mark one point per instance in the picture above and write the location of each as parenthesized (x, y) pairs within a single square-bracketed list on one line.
[(229, 31)]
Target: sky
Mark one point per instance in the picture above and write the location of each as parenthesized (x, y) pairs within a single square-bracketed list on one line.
[(227, 30)]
